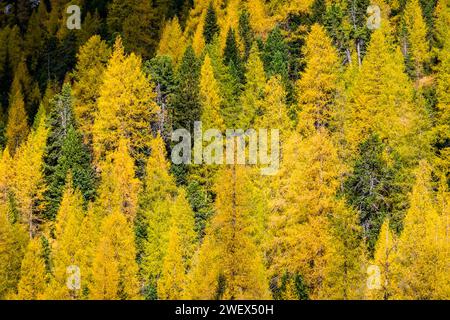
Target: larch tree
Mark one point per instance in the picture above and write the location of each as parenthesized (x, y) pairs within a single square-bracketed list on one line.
[(172, 41), (119, 187), (17, 128), (384, 257), (417, 263), (252, 96), (180, 247), (6, 175), (198, 40), (303, 201), (13, 241), (28, 183), (114, 270), (415, 46), (229, 264), (126, 107), (317, 88), (67, 248), (210, 99), (88, 76), (34, 277)]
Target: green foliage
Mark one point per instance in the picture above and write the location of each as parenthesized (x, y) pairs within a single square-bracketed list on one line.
[(211, 28)]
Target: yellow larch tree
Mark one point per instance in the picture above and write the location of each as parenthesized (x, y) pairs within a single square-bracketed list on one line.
[(416, 33), (17, 129), (259, 19), (115, 271), (6, 175), (119, 187), (34, 277), (417, 263), (210, 98), (28, 183), (303, 200), (88, 76), (126, 106), (252, 97), (317, 88), (13, 241), (198, 41), (179, 250), (229, 264), (385, 254), (67, 249), (172, 41)]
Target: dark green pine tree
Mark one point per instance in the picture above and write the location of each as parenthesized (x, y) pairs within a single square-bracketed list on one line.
[(246, 32), (276, 55), (184, 105), (231, 55), (75, 157), (371, 188), (211, 28)]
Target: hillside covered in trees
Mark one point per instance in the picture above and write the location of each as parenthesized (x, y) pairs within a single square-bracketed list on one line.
[(92, 207)]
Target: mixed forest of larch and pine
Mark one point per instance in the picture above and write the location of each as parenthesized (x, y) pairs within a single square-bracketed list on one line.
[(359, 209)]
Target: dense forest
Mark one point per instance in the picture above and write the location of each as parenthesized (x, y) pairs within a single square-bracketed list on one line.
[(92, 207)]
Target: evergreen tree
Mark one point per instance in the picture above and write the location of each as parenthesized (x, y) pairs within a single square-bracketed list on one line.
[(231, 55), (246, 33), (211, 28), (275, 55)]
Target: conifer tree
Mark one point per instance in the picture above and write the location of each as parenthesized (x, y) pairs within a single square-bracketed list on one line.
[(185, 106), (119, 187), (67, 250), (88, 75), (210, 99), (34, 276), (13, 239), (17, 128), (231, 55), (171, 43), (211, 28), (252, 96), (126, 107), (317, 88), (229, 264), (114, 268), (28, 183), (416, 34), (416, 266), (385, 254), (275, 55), (246, 33), (198, 40), (6, 175)]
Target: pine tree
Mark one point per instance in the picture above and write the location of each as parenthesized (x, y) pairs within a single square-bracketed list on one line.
[(246, 33), (34, 277), (210, 99), (211, 28), (416, 46), (317, 88), (17, 128), (231, 55), (28, 183), (75, 157), (371, 187), (276, 55), (88, 75), (229, 264), (114, 268), (119, 187), (185, 106), (126, 107)]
